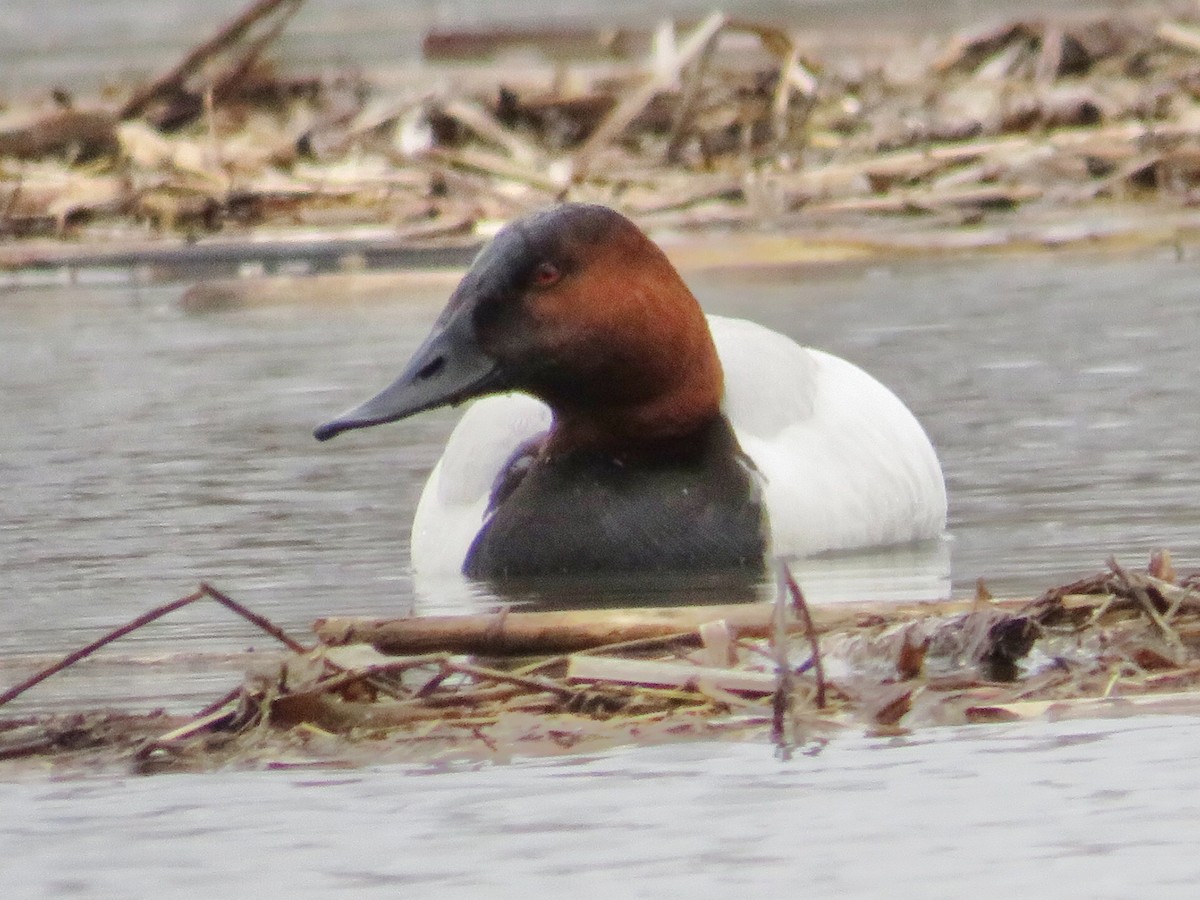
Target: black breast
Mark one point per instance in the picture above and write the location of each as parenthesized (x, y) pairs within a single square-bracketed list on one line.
[(695, 506)]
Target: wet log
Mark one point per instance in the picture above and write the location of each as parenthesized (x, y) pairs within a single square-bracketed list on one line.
[(518, 633)]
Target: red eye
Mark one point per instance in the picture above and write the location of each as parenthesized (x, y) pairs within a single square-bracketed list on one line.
[(545, 274)]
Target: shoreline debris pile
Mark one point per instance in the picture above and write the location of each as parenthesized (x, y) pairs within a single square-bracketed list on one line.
[(724, 123), (508, 684)]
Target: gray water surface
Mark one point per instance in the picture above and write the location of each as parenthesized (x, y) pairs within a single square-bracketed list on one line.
[(1069, 810), (145, 449)]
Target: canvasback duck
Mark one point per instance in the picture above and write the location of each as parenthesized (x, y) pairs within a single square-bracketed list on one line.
[(622, 430)]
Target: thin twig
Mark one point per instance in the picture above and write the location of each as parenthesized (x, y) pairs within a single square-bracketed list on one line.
[(801, 609), (1099, 611), (187, 730), (348, 676), (218, 704), (250, 57), (632, 104), (536, 684), (254, 618), (618, 647), (691, 94), (205, 590), (1180, 595), (83, 652), (432, 684), (781, 700)]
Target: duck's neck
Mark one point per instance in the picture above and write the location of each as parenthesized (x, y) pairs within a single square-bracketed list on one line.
[(667, 398), (630, 431)]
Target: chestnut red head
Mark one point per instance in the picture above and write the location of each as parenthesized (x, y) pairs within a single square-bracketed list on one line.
[(576, 306)]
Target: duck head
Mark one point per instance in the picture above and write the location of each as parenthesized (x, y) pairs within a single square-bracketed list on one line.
[(576, 306)]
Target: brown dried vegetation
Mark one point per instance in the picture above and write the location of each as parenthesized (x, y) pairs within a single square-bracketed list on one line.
[(724, 121), (1119, 642)]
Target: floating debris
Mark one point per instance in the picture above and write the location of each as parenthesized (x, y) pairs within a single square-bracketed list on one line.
[(719, 122), (495, 686)]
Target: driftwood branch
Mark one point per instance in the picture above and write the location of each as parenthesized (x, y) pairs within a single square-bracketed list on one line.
[(529, 633)]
